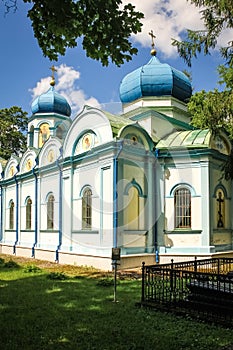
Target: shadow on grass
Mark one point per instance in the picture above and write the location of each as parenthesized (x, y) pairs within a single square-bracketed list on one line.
[(39, 313)]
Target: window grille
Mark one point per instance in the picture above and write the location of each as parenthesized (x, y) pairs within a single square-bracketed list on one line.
[(87, 209), (182, 200)]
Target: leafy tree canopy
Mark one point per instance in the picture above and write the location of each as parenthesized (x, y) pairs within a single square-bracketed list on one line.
[(213, 109), (105, 27), (12, 131), (217, 15)]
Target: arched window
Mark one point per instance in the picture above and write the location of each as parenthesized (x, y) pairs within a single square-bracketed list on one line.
[(11, 216), (59, 132), (31, 136), (43, 134), (29, 214), (50, 212), (220, 208), (132, 209), (87, 209), (182, 206)]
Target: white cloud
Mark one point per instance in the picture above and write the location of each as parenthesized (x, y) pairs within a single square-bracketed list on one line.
[(41, 87), (169, 19), (66, 84)]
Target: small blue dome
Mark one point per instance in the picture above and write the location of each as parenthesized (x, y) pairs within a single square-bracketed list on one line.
[(51, 101), (155, 79)]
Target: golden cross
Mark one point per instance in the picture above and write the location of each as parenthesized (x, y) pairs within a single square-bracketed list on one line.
[(53, 69), (152, 38)]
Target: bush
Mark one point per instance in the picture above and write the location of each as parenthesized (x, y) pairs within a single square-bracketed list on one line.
[(105, 282), (57, 276), (32, 268), (11, 265)]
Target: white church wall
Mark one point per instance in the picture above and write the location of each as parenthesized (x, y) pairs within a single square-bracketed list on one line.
[(27, 190), (106, 205), (187, 173), (188, 176), (10, 195), (89, 119), (67, 210), (49, 184), (98, 177)]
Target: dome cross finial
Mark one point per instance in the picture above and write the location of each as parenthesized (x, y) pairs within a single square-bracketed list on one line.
[(53, 69), (153, 51)]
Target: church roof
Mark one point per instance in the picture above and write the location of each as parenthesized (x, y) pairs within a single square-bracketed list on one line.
[(51, 102), (194, 138), (155, 79), (117, 122)]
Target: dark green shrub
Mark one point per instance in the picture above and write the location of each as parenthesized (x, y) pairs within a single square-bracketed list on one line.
[(105, 282), (32, 269), (57, 276), (11, 265)]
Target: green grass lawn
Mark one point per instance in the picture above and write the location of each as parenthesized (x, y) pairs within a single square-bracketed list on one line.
[(49, 306)]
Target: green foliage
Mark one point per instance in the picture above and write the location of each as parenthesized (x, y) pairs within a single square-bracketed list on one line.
[(105, 27), (12, 131), (226, 76), (105, 282), (32, 269), (57, 276), (217, 15), (214, 110), (11, 264)]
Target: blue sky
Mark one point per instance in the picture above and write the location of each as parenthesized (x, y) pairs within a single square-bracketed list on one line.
[(25, 72)]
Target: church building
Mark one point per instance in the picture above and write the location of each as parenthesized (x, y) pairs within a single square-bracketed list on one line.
[(145, 181)]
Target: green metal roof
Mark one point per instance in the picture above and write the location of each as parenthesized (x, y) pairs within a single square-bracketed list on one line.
[(193, 138), (117, 122)]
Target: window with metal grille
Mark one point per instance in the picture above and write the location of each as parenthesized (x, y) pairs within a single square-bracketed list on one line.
[(87, 209), (220, 209), (29, 214), (182, 203), (50, 212), (11, 216)]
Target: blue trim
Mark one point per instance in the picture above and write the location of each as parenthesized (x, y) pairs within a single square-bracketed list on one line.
[(90, 131), (134, 183), (115, 204), (1, 213), (36, 209), (83, 189), (101, 206), (182, 185), (60, 207), (17, 214), (155, 227)]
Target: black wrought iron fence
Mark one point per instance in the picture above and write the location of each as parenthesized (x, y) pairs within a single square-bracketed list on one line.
[(205, 286)]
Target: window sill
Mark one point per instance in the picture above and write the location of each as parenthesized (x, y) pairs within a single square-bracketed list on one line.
[(135, 232), (183, 231), (85, 232)]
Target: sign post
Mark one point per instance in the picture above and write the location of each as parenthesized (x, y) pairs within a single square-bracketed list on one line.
[(116, 256)]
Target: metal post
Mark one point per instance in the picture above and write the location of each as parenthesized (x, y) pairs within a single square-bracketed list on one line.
[(171, 275), (143, 282), (115, 280)]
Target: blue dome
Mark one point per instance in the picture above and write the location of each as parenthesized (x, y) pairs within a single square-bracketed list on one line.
[(155, 79), (51, 102)]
